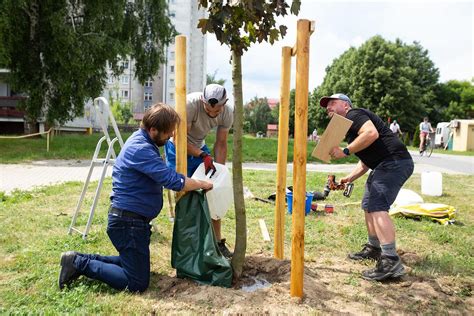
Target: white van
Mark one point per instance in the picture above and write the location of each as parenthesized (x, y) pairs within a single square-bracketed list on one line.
[(442, 134)]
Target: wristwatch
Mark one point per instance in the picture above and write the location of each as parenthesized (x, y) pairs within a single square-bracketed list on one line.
[(203, 154), (346, 151)]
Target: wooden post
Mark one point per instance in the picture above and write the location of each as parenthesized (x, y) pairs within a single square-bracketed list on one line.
[(180, 139), (47, 140), (299, 160), (282, 157)]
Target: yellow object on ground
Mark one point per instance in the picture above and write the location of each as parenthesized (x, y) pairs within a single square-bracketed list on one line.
[(441, 213)]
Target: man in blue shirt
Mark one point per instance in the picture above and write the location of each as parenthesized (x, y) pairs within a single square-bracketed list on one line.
[(138, 178)]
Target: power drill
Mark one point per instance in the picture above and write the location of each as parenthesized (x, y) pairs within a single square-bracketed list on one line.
[(332, 185)]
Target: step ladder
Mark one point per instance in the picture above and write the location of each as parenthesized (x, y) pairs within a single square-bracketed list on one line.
[(103, 113)]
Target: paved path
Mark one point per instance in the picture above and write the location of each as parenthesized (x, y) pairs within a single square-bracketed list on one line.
[(39, 173)]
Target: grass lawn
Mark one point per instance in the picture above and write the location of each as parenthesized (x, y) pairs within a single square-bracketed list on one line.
[(82, 147), (34, 233)]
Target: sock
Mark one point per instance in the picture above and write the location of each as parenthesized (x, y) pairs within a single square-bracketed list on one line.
[(374, 241), (389, 250)]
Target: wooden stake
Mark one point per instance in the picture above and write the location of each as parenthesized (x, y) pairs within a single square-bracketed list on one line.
[(299, 160), (282, 157), (180, 139), (263, 228)]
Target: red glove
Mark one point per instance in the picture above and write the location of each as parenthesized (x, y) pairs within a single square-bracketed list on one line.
[(208, 163)]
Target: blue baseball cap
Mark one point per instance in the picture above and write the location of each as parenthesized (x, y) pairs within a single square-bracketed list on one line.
[(338, 96)]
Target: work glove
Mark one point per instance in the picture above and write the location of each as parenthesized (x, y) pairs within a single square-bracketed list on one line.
[(208, 163)]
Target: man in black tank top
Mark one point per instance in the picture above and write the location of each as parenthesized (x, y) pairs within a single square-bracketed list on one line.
[(381, 151)]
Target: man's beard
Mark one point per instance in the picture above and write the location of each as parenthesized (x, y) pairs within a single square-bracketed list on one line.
[(159, 142)]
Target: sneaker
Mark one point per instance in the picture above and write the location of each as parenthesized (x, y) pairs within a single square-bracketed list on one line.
[(223, 249), (68, 272), (368, 252), (387, 267)]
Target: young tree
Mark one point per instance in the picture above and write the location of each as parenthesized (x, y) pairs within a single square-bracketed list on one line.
[(57, 51), (238, 24)]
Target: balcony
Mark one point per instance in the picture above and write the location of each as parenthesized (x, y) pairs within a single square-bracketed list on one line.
[(8, 108)]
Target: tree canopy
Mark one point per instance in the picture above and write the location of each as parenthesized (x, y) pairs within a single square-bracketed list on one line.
[(58, 51), (392, 79), (212, 78), (455, 100)]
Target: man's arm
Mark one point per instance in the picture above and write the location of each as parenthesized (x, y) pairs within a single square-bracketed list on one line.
[(359, 171), (220, 147), (367, 134), (193, 150), (195, 184)]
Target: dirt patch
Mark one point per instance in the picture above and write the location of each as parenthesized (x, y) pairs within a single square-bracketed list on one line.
[(334, 286)]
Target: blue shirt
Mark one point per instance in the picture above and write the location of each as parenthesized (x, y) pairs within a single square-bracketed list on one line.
[(139, 175)]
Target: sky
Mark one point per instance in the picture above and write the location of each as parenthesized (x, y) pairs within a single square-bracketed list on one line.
[(444, 28)]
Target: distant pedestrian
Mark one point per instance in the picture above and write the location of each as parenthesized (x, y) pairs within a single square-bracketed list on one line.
[(425, 130), (395, 128), (314, 136)]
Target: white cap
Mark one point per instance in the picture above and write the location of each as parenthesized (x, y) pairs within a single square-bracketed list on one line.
[(215, 94)]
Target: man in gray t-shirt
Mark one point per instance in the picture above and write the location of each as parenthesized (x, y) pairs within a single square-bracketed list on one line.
[(205, 111)]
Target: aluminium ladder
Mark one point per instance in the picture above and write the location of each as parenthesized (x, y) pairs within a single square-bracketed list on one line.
[(102, 113)]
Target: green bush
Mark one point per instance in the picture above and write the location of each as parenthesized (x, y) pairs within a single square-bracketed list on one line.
[(406, 139), (416, 137)]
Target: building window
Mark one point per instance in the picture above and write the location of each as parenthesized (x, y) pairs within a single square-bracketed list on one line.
[(172, 69), (125, 64), (148, 96), (171, 96), (125, 79), (172, 82), (149, 83), (172, 14), (171, 55), (124, 93), (110, 79)]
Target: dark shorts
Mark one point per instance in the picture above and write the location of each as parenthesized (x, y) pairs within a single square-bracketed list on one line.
[(384, 183)]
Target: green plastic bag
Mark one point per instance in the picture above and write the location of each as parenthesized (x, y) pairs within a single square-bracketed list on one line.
[(194, 251)]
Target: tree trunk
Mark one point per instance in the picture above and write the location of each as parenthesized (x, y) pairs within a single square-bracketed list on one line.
[(239, 203)]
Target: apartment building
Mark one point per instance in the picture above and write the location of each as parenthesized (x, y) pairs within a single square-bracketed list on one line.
[(185, 16)]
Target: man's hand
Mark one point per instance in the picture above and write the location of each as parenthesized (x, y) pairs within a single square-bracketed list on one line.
[(208, 163), (337, 153), (205, 185)]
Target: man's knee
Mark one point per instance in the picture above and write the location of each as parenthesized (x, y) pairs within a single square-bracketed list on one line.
[(139, 286)]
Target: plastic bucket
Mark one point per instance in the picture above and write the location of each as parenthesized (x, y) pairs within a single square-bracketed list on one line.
[(289, 201), (432, 183)]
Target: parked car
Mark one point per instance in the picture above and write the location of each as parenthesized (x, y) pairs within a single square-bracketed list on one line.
[(442, 134)]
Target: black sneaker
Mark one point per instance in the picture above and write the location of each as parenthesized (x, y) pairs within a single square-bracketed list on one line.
[(68, 273), (387, 267), (223, 249), (368, 252)]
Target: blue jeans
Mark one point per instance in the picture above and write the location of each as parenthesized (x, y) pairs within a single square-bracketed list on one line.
[(193, 162), (131, 268)]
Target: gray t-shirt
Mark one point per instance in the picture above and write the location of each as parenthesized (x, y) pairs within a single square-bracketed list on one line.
[(201, 123)]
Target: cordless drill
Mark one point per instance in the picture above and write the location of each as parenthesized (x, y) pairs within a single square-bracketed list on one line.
[(332, 185)]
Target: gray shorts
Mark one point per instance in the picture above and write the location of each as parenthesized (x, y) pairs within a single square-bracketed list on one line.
[(384, 183)]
